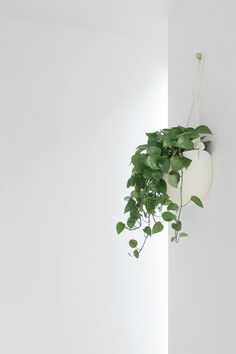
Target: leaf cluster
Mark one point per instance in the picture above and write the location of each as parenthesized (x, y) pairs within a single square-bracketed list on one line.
[(154, 164)]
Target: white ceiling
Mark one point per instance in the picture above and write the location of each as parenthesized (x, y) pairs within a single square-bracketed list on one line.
[(140, 17)]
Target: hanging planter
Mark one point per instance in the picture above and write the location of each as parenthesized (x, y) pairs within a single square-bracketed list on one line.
[(172, 170), (197, 179)]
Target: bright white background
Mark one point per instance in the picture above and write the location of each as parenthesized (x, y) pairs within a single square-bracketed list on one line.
[(202, 285), (74, 105)]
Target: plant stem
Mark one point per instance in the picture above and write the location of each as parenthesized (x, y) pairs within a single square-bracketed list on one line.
[(144, 242), (145, 237), (181, 204)]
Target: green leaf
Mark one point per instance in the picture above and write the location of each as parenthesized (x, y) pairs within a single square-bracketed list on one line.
[(153, 187), (150, 161), (173, 132), (167, 216), (133, 243), (148, 230), (152, 135), (158, 227), (197, 201), (173, 180), (130, 205), (134, 194), (184, 142), (147, 173), (177, 175), (139, 181), (130, 182), (203, 129), (177, 226), (161, 186), (141, 148), (167, 141), (134, 213), (150, 206), (154, 150), (136, 253), (157, 175), (183, 234), (137, 161), (177, 163), (193, 133), (131, 222), (120, 226), (186, 162), (173, 206), (186, 133), (162, 199), (152, 140), (172, 239), (164, 164)]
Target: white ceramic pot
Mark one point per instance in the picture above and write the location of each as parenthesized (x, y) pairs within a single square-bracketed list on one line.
[(197, 178)]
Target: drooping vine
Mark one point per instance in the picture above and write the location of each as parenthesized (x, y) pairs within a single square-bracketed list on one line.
[(156, 164)]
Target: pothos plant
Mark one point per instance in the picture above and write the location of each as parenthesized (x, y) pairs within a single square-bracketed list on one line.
[(158, 162)]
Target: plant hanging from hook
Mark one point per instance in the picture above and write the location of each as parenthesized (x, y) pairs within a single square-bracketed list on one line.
[(162, 177)]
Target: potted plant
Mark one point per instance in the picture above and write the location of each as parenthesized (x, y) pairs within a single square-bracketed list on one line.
[(173, 169)]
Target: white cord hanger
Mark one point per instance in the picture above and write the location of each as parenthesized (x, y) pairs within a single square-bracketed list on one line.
[(196, 91)]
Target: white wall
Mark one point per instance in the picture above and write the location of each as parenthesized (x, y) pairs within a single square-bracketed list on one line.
[(74, 105), (202, 284)]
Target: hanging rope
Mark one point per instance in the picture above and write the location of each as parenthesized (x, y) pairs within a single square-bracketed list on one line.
[(196, 92)]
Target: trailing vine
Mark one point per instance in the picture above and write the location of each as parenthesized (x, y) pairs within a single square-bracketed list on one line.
[(156, 164)]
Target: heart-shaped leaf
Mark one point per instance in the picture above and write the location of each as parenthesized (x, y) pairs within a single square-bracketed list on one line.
[(173, 206), (202, 129), (133, 243), (136, 253), (173, 180), (177, 226), (147, 230), (120, 226), (167, 216), (177, 163), (183, 234), (158, 227), (197, 201)]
